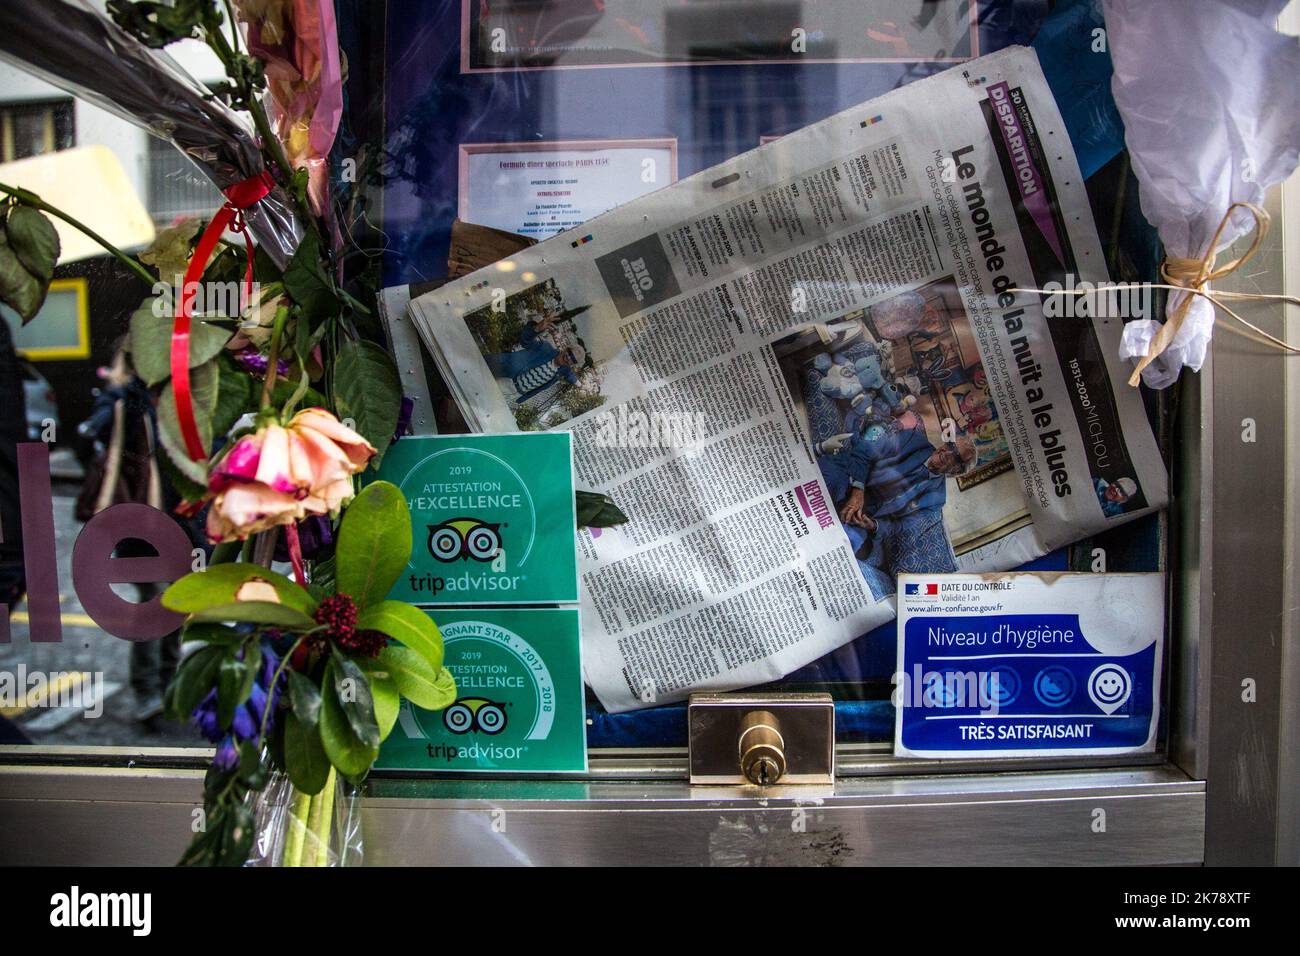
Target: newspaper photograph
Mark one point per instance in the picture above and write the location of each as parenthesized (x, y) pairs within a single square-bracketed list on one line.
[(810, 369)]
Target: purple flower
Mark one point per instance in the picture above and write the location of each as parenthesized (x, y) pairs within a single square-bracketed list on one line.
[(255, 363), (247, 721), (314, 533), (227, 756), (205, 717)]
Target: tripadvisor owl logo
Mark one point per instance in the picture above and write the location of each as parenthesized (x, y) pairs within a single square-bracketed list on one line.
[(477, 714), (463, 539)]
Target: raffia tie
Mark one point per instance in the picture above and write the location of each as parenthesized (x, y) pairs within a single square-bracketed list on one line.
[(1193, 277)]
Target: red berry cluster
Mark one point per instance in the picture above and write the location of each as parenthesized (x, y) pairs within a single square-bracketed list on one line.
[(339, 616)]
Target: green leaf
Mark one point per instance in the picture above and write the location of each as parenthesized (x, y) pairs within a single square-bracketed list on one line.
[(185, 487), (302, 337), (368, 390), (221, 582), (416, 680), (265, 271), (275, 744), (305, 697), (353, 689), (201, 848), (214, 782), (34, 240), (349, 754), (407, 624), (203, 391), (195, 677), (322, 582), (171, 249), (304, 755), (284, 390), (597, 511), (151, 337), (239, 827), (235, 680), (388, 699), (236, 395), (253, 771), (257, 612), (374, 543), (307, 282), (216, 634), (157, 24), (19, 289)]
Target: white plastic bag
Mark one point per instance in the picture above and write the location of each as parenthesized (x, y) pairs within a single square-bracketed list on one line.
[(1210, 96)]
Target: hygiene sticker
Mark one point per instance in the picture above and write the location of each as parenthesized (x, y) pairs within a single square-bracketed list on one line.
[(492, 518), (1011, 665), (519, 697)]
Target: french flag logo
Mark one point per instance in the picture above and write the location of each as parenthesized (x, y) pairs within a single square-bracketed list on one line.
[(930, 590)]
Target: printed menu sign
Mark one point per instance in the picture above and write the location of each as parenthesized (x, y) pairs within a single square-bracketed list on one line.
[(1007, 665)]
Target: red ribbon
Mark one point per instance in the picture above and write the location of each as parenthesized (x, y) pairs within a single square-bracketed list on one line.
[(239, 197)]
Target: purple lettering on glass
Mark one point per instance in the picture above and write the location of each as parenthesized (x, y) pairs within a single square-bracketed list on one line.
[(94, 569), (42, 568)]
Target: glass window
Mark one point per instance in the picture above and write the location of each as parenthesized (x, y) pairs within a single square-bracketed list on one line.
[(30, 129), (443, 102)]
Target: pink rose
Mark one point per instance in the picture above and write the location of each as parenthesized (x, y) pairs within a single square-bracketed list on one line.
[(319, 423), (247, 509), (281, 474)]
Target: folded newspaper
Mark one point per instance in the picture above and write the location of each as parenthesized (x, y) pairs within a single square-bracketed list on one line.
[(806, 371)]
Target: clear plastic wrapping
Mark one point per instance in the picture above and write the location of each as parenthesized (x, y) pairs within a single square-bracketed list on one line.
[(77, 48), (290, 824)]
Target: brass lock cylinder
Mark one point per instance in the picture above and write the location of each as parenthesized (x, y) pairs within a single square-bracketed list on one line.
[(761, 748)]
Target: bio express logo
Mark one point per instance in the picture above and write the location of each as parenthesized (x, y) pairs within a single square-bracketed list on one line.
[(480, 524)]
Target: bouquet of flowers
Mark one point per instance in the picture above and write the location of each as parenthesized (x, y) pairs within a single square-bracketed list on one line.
[(270, 412), (306, 681)]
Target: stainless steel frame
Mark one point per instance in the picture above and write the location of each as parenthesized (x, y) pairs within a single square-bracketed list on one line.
[(62, 815), (1235, 608)]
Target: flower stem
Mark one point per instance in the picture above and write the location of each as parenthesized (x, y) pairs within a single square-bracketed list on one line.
[(273, 360), (297, 823), (319, 820), (326, 797), (295, 552), (357, 306), (270, 142), (234, 26), (266, 713), (28, 198), (224, 553)]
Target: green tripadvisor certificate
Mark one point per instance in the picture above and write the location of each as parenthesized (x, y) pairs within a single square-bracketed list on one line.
[(492, 518), (519, 705), (492, 521)]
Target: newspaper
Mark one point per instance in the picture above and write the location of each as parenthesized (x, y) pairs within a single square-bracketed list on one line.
[(806, 370)]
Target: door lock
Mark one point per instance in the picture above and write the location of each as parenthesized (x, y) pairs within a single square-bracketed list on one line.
[(762, 739), (762, 748)]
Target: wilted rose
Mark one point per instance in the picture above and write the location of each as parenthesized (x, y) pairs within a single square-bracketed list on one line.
[(284, 473)]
